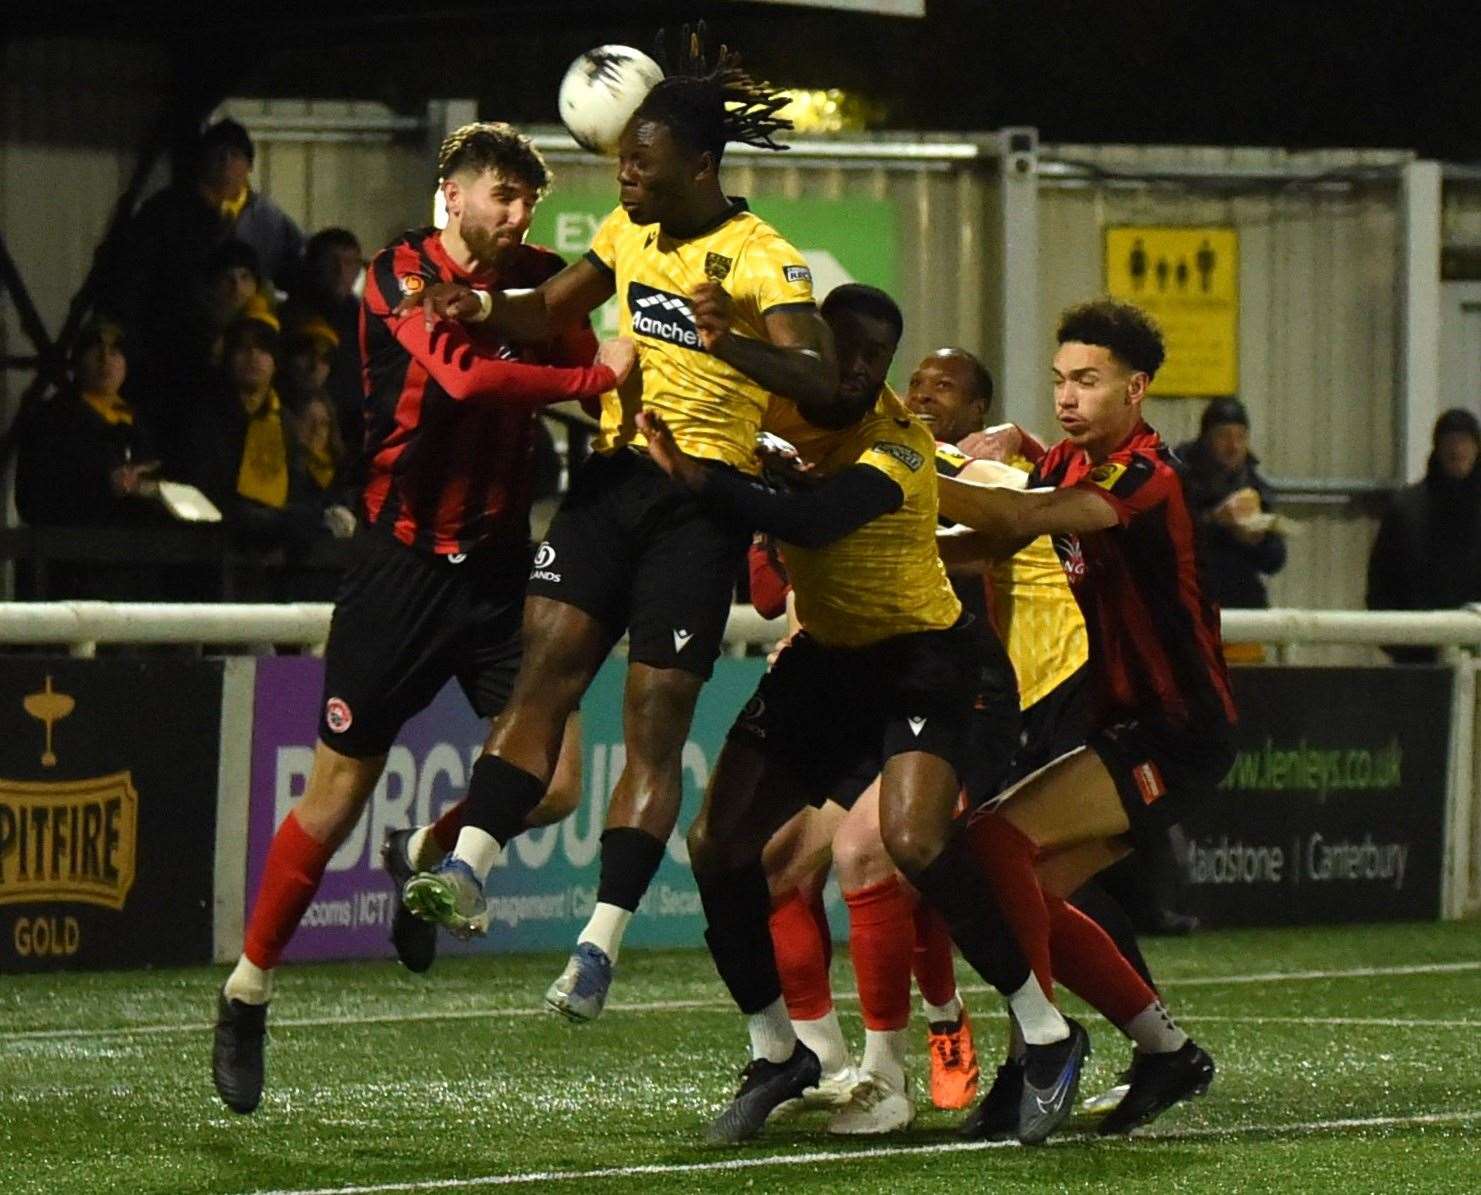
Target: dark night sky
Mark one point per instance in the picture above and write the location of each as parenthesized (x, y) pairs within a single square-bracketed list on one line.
[(1406, 73)]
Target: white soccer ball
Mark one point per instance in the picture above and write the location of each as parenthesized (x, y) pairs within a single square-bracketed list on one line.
[(601, 91)]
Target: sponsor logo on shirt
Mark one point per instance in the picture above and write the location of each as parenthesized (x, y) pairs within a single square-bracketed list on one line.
[(412, 284), (797, 274), (662, 315), (1071, 557), (908, 457)]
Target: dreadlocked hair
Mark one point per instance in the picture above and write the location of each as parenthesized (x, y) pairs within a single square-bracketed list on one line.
[(705, 105)]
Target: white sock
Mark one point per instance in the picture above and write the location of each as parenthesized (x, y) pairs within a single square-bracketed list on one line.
[(884, 1055), (478, 849), (1154, 1030), (1039, 1020), (249, 983), (771, 1032), (951, 1011), (824, 1037), (422, 849), (605, 929), (1017, 1047)]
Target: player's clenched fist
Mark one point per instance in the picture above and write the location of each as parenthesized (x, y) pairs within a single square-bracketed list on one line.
[(442, 300), (619, 356), (713, 312)]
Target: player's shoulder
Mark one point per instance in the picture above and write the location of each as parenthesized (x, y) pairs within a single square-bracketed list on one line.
[(400, 270), (890, 430), (1143, 465), (950, 460)]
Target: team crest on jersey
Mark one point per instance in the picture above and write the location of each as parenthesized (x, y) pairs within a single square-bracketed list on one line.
[(412, 284), (797, 274), (337, 715), (908, 457), (717, 267), (662, 315)]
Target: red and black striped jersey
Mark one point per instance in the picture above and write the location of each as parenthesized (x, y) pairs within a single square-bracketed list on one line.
[(1155, 649), (450, 412)]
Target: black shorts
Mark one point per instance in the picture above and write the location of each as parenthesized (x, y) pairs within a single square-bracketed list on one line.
[(405, 623), (834, 715), (1055, 725), (1162, 772), (640, 553)]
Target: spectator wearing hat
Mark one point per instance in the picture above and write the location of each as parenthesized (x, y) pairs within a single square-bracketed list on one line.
[(248, 215), (246, 457), (1227, 497), (1428, 552)]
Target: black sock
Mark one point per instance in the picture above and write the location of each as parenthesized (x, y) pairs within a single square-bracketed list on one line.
[(737, 909), (1097, 904), (500, 797), (954, 884), (629, 859)]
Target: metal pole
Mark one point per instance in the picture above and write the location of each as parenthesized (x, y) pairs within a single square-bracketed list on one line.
[(1019, 356), (1419, 272)]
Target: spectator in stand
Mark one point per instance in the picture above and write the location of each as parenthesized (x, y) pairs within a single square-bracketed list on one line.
[(154, 275), (1428, 552), (1228, 497), (87, 459), (309, 348), (246, 458), (233, 280), (325, 292), (325, 460)]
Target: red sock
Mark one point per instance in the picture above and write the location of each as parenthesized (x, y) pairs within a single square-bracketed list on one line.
[(881, 940), (445, 829), (295, 865), (935, 967), (801, 959), (1008, 855), (1087, 962)]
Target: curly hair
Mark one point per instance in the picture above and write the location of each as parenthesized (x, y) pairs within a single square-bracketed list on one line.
[(1131, 335), (707, 105), (494, 145)]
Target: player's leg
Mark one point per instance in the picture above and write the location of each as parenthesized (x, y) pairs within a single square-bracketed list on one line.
[(748, 799), (796, 861), (681, 582), (657, 708), (563, 647), (408, 851), (918, 800), (1078, 808), (383, 663), (881, 943)]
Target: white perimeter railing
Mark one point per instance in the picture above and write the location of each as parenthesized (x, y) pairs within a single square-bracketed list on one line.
[(81, 627)]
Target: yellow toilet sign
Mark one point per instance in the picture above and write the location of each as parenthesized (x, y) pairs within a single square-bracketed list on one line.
[(1188, 280)]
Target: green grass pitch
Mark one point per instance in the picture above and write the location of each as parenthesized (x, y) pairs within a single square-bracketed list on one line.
[(1349, 1060)]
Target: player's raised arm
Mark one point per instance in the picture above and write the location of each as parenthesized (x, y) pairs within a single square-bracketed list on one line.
[(798, 360), (1016, 517), (558, 302)]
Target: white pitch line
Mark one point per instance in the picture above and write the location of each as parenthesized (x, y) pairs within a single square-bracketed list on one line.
[(715, 1005), (809, 1159)]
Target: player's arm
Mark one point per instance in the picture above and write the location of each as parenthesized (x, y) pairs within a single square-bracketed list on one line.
[(525, 315), (797, 360), (811, 519), (1013, 517)]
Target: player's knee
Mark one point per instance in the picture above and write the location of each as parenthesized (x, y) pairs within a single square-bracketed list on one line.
[(912, 848), (861, 860), (702, 847)]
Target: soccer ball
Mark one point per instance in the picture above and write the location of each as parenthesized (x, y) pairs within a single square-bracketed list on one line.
[(601, 91)]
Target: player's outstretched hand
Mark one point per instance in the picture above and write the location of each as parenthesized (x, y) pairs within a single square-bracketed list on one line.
[(441, 300), (713, 312), (666, 453), (619, 355), (1000, 443)]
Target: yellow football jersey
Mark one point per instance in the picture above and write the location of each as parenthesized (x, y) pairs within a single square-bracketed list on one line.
[(886, 578), (1038, 617), (713, 409)]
